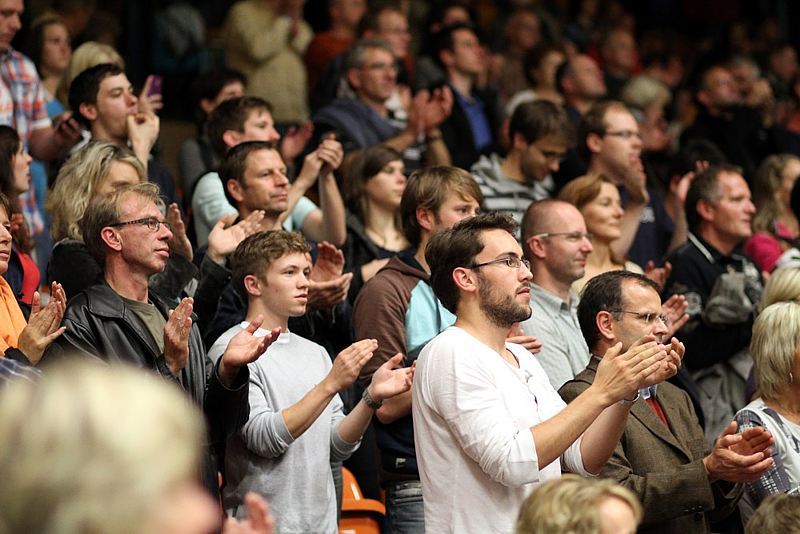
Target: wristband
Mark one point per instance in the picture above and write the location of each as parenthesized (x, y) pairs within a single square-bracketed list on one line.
[(629, 402), (371, 403)]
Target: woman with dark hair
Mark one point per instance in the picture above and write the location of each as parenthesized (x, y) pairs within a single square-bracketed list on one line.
[(50, 49), (22, 273), (373, 188)]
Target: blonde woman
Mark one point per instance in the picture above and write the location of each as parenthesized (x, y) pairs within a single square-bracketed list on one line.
[(129, 448), (775, 348), (97, 170), (575, 505)]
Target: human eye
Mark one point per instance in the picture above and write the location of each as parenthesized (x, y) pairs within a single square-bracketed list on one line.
[(573, 236)]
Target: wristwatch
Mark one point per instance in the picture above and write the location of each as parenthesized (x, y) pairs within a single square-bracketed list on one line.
[(629, 402), (371, 403)]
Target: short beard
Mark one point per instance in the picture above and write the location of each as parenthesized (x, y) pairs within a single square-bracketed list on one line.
[(503, 311)]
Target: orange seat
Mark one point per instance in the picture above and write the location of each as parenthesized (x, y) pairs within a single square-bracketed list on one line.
[(359, 515)]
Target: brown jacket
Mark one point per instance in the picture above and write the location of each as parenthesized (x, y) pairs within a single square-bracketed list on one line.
[(664, 466)]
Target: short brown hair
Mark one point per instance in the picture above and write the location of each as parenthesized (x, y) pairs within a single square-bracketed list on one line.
[(428, 188), (256, 253), (235, 162), (105, 212), (457, 247), (594, 122), (231, 115)]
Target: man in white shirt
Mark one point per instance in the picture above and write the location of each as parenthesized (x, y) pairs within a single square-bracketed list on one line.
[(488, 425)]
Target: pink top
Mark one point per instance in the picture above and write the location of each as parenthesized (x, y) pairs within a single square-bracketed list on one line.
[(765, 249)]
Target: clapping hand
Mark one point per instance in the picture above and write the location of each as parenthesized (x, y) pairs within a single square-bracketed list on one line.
[(44, 324), (243, 348)]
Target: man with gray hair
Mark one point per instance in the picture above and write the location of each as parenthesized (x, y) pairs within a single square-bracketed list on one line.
[(366, 120), (119, 320), (721, 286)]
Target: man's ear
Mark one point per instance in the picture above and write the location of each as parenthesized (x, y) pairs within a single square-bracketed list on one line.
[(518, 142), (446, 57), (702, 97), (111, 238), (88, 110), (425, 219), (594, 143), (352, 78), (252, 285), (604, 321), (235, 190), (536, 247), (465, 279), (705, 209), (231, 138)]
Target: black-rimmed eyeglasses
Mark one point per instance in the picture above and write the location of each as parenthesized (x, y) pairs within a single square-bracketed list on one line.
[(152, 223)]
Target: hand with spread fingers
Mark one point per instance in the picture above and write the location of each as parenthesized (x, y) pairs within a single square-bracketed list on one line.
[(226, 236), (391, 378), (179, 244), (742, 457), (243, 348), (674, 309)]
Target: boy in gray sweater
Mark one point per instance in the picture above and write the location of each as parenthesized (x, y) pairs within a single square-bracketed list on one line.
[(296, 425)]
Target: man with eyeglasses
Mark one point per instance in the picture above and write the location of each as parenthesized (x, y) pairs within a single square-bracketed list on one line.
[(610, 142), (488, 425), (555, 241), (662, 456), (540, 134), (121, 321), (366, 119)]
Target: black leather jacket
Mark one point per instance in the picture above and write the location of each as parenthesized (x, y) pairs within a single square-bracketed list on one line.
[(100, 325)]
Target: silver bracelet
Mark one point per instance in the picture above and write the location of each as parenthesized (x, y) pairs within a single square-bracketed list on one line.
[(629, 402), (371, 403)]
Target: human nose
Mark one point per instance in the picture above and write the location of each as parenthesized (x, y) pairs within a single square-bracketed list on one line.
[(132, 99), (16, 23), (660, 327), (586, 245)]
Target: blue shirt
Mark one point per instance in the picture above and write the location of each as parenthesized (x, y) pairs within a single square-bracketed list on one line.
[(478, 121)]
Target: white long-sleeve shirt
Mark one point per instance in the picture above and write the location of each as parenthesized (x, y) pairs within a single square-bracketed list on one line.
[(472, 417)]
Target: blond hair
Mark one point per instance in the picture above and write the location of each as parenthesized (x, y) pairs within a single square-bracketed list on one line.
[(77, 181), (569, 505), (783, 285), (91, 448), (87, 55), (776, 339)]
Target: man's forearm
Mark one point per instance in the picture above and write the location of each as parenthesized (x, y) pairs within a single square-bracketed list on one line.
[(333, 214), (394, 408), (602, 437), (301, 415), (355, 423), (554, 436), (630, 225)]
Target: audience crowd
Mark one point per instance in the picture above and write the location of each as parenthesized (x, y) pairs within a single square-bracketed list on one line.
[(518, 267)]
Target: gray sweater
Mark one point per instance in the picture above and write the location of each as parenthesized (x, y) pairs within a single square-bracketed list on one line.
[(294, 475)]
